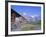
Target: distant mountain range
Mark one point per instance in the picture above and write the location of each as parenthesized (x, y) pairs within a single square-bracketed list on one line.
[(32, 18)]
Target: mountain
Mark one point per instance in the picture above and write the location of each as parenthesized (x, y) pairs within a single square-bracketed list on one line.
[(32, 18)]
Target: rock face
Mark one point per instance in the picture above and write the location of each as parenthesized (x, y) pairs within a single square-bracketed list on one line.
[(16, 26)]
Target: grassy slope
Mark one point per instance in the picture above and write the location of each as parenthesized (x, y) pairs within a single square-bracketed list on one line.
[(26, 27)]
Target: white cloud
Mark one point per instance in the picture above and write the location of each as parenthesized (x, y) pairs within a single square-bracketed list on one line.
[(24, 13)]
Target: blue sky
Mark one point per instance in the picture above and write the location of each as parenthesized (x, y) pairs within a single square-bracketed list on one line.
[(27, 10)]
